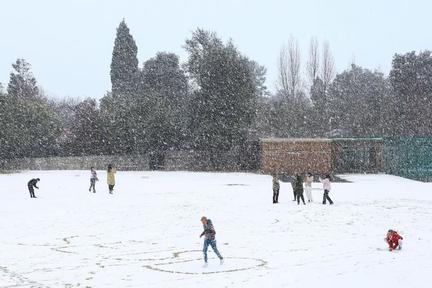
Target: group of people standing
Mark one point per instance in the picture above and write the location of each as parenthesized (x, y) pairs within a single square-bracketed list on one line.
[(111, 171), (298, 188)]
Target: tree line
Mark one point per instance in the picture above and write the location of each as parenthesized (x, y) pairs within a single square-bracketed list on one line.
[(216, 101)]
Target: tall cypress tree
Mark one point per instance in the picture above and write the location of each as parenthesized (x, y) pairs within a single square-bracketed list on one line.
[(124, 64), (124, 80)]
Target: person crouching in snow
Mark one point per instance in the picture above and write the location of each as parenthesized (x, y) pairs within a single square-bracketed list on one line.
[(394, 240), (209, 234)]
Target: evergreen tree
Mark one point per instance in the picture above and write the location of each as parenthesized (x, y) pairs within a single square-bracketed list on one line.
[(411, 81), (22, 83), (358, 101), (124, 79), (31, 125), (291, 116), (87, 136), (124, 64), (224, 102), (160, 109), (4, 124), (320, 114)]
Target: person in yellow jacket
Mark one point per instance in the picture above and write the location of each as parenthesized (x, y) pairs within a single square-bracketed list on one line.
[(111, 178)]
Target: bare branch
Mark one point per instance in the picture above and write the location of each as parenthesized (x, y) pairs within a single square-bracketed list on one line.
[(313, 61), (289, 68), (327, 69)]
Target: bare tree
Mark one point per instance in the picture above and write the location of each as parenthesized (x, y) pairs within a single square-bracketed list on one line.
[(283, 69), (327, 67), (313, 61), (289, 68)]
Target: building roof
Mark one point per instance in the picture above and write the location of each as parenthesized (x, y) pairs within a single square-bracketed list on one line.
[(295, 140)]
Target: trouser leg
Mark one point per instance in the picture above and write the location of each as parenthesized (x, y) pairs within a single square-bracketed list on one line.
[(205, 247), (214, 247), (327, 197), (93, 185), (309, 194)]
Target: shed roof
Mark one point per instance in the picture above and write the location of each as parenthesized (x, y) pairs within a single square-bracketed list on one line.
[(295, 140)]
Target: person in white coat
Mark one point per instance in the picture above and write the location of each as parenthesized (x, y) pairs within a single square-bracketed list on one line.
[(327, 187), (308, 186)]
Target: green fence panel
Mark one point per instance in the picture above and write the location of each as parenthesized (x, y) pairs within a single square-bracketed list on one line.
[(409, 157)]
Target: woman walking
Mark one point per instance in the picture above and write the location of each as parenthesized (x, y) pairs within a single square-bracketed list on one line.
[(111, 178), (327, 187)]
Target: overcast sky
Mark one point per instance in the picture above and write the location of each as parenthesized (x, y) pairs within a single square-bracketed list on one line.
[(69, 43)]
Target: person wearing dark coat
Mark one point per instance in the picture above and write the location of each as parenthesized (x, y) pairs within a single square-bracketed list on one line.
[(276, 187), (31, 185), (298, 189), (293, 182)]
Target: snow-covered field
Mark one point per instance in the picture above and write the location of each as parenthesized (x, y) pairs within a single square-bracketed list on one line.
[(147, 233)]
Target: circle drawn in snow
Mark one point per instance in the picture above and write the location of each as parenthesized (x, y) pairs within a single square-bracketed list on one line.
[(193, 266)]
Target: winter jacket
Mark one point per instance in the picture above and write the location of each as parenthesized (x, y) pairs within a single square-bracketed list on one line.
[(393, 239), (209, 231), (298, 185), (32, 183), (308, 181), (93, 175), (276, 184), (111, 177), (326, 184)]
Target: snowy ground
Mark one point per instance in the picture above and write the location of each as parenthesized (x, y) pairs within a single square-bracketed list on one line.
[(146, 234)]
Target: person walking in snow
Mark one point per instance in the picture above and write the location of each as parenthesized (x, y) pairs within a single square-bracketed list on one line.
[(93, 179), (31, 185), (298, 189), (111, 178), (209, 234), (293, 181), (394, 240), (276, 187), (327, 187), (308, 186)]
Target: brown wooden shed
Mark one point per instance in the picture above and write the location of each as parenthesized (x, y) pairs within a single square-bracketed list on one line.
[(321, 155), (294, 155)]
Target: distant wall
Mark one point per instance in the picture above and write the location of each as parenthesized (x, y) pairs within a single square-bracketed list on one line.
[(77, 163), (232, 160)]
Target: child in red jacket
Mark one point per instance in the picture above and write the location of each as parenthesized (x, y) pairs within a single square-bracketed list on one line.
[(393, 240)]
